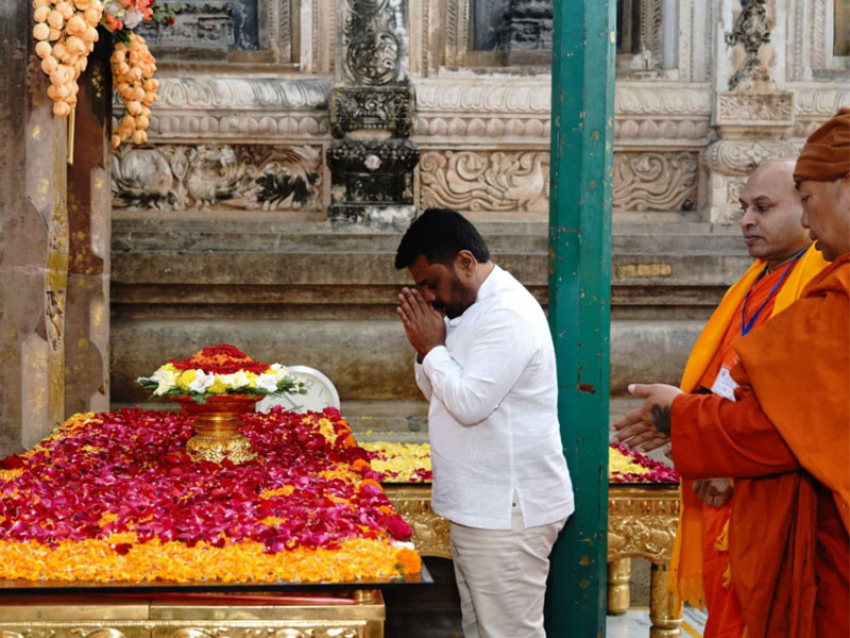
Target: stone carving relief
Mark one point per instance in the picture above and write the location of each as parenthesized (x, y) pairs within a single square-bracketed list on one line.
[(372, 171), (239, 109), (754, 115), (475, 109), (485, 181), (374, 42), (642, 523), (251, 177), (655, 181), (755, 107), (372, 108), (741, 157), (816, 106), (497, 181), (665, 114), (506, 96), (751, 30)]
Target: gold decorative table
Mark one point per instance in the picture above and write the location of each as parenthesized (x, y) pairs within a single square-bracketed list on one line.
[(358, 614), (641, 524)]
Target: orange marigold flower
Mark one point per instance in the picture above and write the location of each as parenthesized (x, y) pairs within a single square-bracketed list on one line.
[(361, 466), (386, 510), (348, 441), (408, 561)]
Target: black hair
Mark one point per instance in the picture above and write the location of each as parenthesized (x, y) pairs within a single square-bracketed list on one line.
[(440, 234)]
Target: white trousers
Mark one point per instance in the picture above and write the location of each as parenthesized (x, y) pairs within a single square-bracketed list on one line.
[(501, 577)]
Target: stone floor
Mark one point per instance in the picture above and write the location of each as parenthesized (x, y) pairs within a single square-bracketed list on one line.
[(435, 612)]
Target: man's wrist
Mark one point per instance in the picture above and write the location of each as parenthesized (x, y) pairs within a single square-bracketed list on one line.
[(420, 356)]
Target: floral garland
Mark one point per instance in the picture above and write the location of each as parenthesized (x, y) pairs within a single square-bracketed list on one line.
[(411, 463), (66, 31), (218, 371), (133, 65), (113, 497)]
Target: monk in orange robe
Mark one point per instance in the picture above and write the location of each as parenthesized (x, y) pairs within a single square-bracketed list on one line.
[(786, 438), (785, 262)]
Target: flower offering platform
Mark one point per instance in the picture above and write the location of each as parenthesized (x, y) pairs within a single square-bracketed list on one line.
[(109, 528)]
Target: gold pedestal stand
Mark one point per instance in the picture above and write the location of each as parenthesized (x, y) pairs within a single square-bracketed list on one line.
[(192, 616), (217, 425), (642, 523)]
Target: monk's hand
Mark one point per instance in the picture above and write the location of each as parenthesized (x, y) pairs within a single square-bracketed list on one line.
[(424, 326), (714, 492), (647, 427)]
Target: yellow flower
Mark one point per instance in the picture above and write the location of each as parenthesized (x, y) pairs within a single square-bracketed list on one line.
[(217, 387), (252, 379), (186, 378)]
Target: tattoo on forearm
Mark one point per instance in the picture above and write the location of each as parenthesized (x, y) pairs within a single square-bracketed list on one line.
[(661, 418)]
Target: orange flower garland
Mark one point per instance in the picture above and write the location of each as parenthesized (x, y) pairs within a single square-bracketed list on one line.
[(133, 68), (66, 33)]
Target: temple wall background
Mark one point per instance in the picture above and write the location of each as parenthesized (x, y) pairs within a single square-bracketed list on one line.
[(295, 139)]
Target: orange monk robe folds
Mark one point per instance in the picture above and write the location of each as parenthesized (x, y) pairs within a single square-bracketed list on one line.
[(699, 571), (786, 441)]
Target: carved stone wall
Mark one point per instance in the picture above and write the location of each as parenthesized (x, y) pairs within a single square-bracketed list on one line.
[(237, 177)]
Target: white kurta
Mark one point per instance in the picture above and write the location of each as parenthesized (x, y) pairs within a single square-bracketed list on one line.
[(493, 418)]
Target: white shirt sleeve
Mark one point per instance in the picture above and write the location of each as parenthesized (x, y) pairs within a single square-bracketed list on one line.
[(421, 378), (501, 350)]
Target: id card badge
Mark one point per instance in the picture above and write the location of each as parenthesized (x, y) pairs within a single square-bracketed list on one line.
[(724, 384)]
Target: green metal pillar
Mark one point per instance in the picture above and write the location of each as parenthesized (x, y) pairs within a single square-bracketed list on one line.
[(583, 61)]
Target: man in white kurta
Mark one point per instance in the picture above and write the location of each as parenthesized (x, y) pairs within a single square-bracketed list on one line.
[(486, 362)]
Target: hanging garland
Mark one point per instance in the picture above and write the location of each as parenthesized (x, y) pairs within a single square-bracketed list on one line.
[(133, 67), (67, 31)]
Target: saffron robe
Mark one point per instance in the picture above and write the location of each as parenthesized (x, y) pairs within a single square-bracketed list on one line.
[(699, 571), (786, 441)]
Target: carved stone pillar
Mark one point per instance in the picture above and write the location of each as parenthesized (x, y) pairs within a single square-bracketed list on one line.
[(33, 241), (752, 114), (372, 105)]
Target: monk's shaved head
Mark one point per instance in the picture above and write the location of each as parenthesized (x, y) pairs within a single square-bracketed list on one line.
[(771, 213)]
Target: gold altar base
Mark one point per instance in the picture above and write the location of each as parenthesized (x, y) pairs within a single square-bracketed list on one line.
[(642, 523), (362, 616), (217, 425)]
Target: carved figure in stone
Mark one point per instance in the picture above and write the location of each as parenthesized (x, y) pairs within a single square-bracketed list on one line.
[(213, 174), (179, 177), (373, 49), (751, 29)]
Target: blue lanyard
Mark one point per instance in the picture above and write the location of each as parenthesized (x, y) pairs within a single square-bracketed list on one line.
[(746, 326)]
